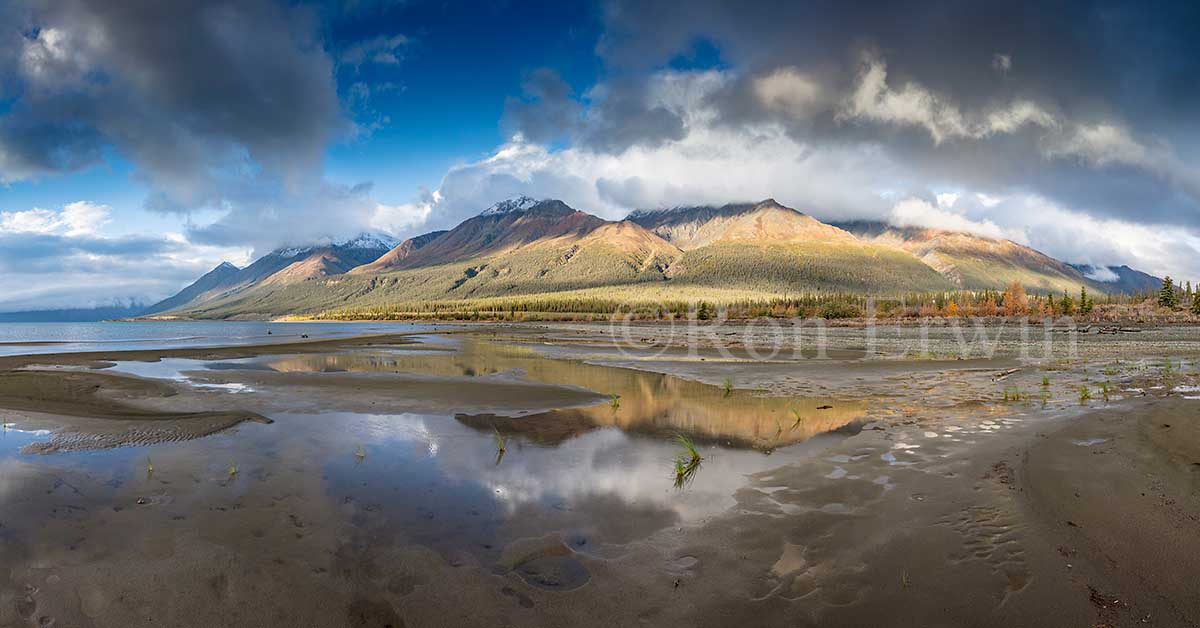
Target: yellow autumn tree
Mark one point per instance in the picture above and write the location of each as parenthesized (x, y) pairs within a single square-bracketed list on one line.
[(1016, 302)]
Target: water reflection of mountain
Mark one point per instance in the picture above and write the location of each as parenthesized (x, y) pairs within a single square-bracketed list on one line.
[(646, 402)]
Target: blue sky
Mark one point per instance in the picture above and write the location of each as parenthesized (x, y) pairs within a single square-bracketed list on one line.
[(142, 144), (450, 85), (443, 97)]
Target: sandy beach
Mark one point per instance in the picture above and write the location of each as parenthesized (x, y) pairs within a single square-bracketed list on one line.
[(493, 475)]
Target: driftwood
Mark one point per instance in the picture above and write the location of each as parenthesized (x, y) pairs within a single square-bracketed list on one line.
[(1005, 375), (1119, 330)]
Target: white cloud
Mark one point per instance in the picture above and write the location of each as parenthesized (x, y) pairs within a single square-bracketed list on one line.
[(1073, 235), (1102, 273), (60, 258), (946, 200), (1002, 63), (913, 105), (74, 219), (399, 219), (1099, 145), (717, 163), (914, 212), (986, 199), (789, 91), (1106, 144)]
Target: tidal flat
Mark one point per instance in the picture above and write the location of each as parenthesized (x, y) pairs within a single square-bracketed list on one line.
[(525, 475)]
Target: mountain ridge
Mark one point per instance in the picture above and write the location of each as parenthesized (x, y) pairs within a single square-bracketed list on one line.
[(280, 266), (526, 246)]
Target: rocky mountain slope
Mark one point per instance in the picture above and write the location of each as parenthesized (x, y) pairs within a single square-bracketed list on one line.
[(973, 262), (524, 246), (280, 267)]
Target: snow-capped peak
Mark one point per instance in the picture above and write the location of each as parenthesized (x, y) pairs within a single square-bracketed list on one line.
[(369, 241), (517, 204), (293, 251)]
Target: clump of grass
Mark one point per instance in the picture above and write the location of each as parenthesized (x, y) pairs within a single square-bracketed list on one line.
[(1045, 381), (149, 467), (360, 453), (614, 401), (1012, 393), (233, 470), (689, 448), (799, 418), (728, 386), (687, 463), (1045, 398), (501, 444), (1105, 390), (905, 581), (1085, 394)]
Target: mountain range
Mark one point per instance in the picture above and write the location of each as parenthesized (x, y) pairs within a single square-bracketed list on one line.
[(544, 249)]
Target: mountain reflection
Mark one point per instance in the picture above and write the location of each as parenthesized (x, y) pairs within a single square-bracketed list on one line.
[(650, 403)]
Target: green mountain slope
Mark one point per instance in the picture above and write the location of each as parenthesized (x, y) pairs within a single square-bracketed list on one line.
[(548, 253), (972, 262)]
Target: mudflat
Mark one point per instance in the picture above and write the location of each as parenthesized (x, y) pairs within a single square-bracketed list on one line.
[(526, 475)]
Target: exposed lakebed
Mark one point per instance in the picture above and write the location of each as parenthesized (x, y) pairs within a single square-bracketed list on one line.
[(362, 482)]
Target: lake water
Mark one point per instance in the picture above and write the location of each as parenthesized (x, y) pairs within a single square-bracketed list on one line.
[(30, 338), (389, 441), (482, 470)]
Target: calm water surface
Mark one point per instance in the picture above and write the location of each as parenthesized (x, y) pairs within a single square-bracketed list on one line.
[(591, 479), (29, 338)]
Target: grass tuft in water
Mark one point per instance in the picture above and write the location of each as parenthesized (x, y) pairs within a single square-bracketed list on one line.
[(1012, 393), (360, 453), (1045, 381), (614, 402), (728, 386), (687, 463), (233, 470), (799, 418), (1085, 394)]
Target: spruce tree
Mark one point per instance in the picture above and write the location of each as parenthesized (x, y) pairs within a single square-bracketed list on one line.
[(1167, 296), (1196, 304), (1067, 305), (1085, 302)]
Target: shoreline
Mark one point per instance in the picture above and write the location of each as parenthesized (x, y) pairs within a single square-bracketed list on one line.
[(586, 317)]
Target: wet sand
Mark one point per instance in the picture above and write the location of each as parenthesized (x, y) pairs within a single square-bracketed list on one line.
[(842, 492)]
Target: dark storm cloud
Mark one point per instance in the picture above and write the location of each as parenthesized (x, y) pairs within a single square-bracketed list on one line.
[(612, 117), (201, 96), (1091, 104), (547, 111), (1085, 53)]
